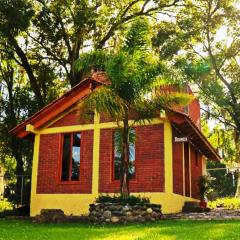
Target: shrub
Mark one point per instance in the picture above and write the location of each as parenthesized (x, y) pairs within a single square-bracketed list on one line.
[(227, 203), (131, 200), (204, 187), (223, 182), (5, 205)]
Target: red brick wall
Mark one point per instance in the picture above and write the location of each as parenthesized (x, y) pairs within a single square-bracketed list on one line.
[(196, 171), (70, 119), (177, 167), (194, 112), (149, 161), (48, 168)]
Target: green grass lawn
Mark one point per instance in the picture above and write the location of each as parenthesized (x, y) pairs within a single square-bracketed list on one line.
[(164, 230)]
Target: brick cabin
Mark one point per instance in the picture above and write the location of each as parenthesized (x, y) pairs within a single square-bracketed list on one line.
[(74, 161)]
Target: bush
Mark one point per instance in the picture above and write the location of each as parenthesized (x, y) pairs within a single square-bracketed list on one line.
[(20, 211), (223, 183), (227, 203), (204, 187), (131, 200), (5, 205)]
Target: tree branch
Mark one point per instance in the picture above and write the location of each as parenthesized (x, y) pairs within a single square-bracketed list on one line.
[(124, 18)]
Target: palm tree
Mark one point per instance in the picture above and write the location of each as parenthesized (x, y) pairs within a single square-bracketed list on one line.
[(136, 78)]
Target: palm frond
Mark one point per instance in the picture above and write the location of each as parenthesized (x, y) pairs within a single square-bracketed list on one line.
[(94, 60), (103, 100), (137, 38), (143, 110), (163, 100)]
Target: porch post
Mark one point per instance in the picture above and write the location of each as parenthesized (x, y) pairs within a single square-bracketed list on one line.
[(34, 174), (168, 161), (96, 147)]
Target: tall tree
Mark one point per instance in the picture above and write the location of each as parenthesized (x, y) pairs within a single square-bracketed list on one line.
[(135, 88), (204, 44), (15, 17), (16, 102), (64, 29)]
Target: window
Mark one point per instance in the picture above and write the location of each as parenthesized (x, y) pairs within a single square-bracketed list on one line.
[(118, 154), (71, 148)]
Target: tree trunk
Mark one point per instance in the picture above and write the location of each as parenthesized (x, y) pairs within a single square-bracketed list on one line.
[(14, 144), (75, 76), (26, 65), (125, 159), (237, 144), (19, 173), (237, 194)]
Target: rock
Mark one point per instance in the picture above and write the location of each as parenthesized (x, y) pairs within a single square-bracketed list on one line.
[(107, 214), (118, 207), (111, 208), (114, 219), (136, 207), (92, 219), (156, 209), (131, 219), (148, 217), (129, 213), (51, 216), (93, 213), (117, 213), (136, 212), (149, 210), (126, 208), (101, 219), (154, 214), (141, 219)]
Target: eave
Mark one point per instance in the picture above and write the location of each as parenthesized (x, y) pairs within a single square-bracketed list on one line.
[(50, 111), (184, 124)]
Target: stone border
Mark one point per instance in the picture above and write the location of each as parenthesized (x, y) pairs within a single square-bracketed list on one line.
[(123, 213)]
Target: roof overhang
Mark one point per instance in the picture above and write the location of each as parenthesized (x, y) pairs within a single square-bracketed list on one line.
[(52, 110), (186, 127)]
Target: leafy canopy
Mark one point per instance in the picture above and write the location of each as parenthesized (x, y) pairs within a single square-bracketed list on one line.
[(136, 79)]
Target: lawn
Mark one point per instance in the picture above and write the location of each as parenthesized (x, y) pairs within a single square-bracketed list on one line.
[(164, 230)]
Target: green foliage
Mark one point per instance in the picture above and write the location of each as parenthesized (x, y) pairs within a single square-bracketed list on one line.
[(5, 205), (227, 203), (203, 45), (135, 88), (131, 200), (93, 61), (204, 187), (134, 73), (222, 182), (15, 16), (137, 38)]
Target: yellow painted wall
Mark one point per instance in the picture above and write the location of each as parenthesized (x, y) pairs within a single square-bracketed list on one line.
[(77, 204)]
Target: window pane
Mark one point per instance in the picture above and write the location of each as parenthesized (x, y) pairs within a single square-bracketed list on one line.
[(76, 156), (66, 157), (132, 154), (118, 154)]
